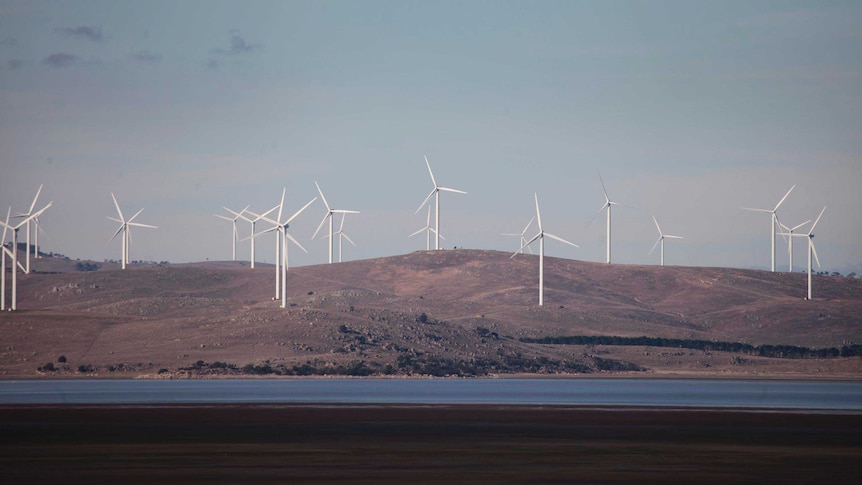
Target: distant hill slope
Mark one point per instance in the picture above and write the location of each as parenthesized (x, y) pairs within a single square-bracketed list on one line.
[(419, 308)]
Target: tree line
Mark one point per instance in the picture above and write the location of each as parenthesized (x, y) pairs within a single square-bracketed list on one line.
[(776, 351)]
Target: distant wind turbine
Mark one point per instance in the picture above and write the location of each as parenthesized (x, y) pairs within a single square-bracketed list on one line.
[(255, 218), (661, 238), (281, 227), (773, 221), (811, 249), (435, 192), (523, 237), (236, 215), (329, 212), (35, 220), (125, 229), (428, 230), (606, 206), (342, 235), (789, 232), (541, 237), (13, 255)]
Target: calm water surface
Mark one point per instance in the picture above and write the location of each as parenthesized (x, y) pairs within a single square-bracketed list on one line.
[(844, 396)]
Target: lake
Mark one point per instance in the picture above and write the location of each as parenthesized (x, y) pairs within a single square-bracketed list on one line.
[(813, 395)]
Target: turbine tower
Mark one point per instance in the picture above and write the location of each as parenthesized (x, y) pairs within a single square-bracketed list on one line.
[(661, 238), (541, 237), (811, 249), (281, 238), (523, 237), (236, 215), (35, 220), (773, 221), (125, 228), (435, 192), (606, 206), (790, 241), (428, 230), (13, 255), (329, 212)]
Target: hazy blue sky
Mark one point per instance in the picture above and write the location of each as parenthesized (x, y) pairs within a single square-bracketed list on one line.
[(689, 109)]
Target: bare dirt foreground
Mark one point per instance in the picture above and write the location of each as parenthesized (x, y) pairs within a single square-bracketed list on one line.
[(428, 444)]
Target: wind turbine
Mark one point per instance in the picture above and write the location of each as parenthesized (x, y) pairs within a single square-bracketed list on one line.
[(125, 228), (27, 215), (811, 249), (329, 212), (790, 240), (541, 237), (607, 205), (283, 236), (428, 230), (257, 217), (773, 221), (13, 254), (436, 194), (342, 235), (661, 238), (236, 215), (523, 233)]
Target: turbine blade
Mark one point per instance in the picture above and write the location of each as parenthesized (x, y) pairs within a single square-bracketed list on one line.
[(322, 196), (537, 236), (113, 219), (343, 211), (138, 224), (117, 205), (273, 228), (817, 220), (430, 172), (538, 214), (300, 211), (607, 199), (349, 240), (797, 226), (814, 251), (420, 231), (5, 227), (427, 219), (527, 226), (341, 226), (33, 205), (657, 227), (606, 205), (224, 217), (425, 202), (782, 199), (328, 215), (558, 238), (667, 236), (136, 215), (447, 189), (654, 245), (281, 204), (294, 241), (756, 210), (119, 230)]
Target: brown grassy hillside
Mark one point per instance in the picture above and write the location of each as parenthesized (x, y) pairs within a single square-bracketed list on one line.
[(365, 315)]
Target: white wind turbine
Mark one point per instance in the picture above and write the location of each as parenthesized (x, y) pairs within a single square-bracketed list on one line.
[(125, 228), (342, 235), (811, 249), (428, 230), (256, 218), (541, 237), (329, 212), (661, 238), (281, 238), (606, 206), (35, 220), (789, 232), (236, 215), (436, 194), (773, 221), (13, 255), (523, 235)]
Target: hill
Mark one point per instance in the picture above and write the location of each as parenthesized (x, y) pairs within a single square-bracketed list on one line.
[(460, 312)]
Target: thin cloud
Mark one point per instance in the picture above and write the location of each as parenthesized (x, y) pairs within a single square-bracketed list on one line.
[(238, 46), (212, 64), (61, 59), (146, 56), (82, 32), (15, 64), (10, 42)]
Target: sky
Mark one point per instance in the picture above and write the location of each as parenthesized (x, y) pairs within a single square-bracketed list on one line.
[(688, 109)]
